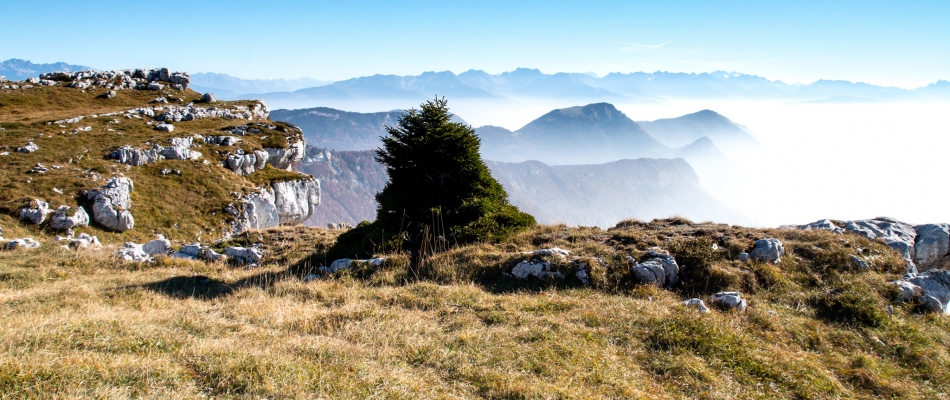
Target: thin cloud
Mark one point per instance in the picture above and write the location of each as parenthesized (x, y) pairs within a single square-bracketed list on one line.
[(642, 47)]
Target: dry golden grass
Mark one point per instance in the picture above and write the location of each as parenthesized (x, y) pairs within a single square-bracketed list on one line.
[(84, 325)]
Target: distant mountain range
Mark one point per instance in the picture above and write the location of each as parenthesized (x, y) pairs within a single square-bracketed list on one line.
[(16, 69), (524, 84), (589, 195)]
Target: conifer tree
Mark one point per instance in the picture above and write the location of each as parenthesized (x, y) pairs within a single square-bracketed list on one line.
[(438, 187)]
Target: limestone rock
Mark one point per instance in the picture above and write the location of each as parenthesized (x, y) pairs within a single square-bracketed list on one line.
[(63, 221), (208, 98), (28, 148), (224, 141), (165, 127), (135, 157), (859, 263), (246, 164), (536, 269), (345, 263), (289, 202), (697, 304), (658, 268), (250, 256), (158, 246), (83, 241), (822, 225), (111, 204), (896, 234), (281, 158), (744, 257), (729, 300), (36, 213), (930, 289), (133, 252), (180, 153), (931, 246), (110, 94), (768, 250), (23, 243)]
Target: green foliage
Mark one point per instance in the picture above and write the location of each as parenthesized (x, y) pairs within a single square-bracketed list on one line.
[(439, 190), (853, 303)]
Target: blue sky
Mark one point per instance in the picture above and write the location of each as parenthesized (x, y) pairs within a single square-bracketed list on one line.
[(903, 44)]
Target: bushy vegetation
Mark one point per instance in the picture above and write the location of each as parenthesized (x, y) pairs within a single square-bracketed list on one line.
[(440, 192)]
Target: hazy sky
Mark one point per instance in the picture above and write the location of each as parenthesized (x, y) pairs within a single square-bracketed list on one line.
[(901, 43)]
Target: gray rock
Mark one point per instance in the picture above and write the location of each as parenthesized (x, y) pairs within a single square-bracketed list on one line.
[(768, 250), (250, 256), (286, 158), (83, 241), (111, 204), (657, 268), (28, 148), (154, 86), (165, 127), (63, 221), (284, 203), (224, 141), (730, 300), (931, 246), (133, 252), (36, 213), (208, 98), (110, 94), (135, 157), (930, 289), (180, 153), (158, 246), (859, 263), (246, 164), (23, 243), (537, 269), (744, 257), (896, 234), (346, 263), (697, 304), (822, 225)]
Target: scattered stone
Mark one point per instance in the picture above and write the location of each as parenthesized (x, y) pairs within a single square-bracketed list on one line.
[(63, 221), (36, 213), (110, 94), (658, 268), (23, 243), (697, 304), (346, 263), (165, 127), (191, 112), (58, 190), (83, 241), (133, 252), (537, 269), (859, 263), (208, 98), (28, 148), (729, 300), (223, 140), (745, 257), (198, 252), (135, 157), (158, 246), (768, 250), (160, 100), (554, 251), (111, 204), (249, 256), (38, 169)]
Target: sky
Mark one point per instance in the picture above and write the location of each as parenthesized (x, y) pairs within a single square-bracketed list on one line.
[(904, 44)]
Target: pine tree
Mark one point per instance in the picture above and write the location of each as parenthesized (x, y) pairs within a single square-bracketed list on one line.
[(438, 187)]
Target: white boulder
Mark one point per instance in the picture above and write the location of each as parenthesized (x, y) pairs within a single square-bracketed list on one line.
[(729, 300), (158, 246), (537, 269), (111, 204), (63, 221), (930, 289), (657, 268), (36, 213), (768, 250), (28, 148), (931, 246), (133, 252), (250, 256), (697, 304), (24, 243), (285, 158)]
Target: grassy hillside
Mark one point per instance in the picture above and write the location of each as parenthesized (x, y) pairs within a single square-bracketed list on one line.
[(183, 207), (81, 324)]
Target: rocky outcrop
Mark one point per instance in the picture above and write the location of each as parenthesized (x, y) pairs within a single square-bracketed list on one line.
[(931, 290), (135, 157), (535, 268), (820, 225), (190, 112), (898, 235), (283, 203), (285, 158), (36, 213), (63, 221), (698, 304), (931, 246), (165, 127), (140, 79), (83, 241), (222, 140), (246, 163), (768, 250), (658, 268), (111, 204), (198, 252), (346, 263)]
